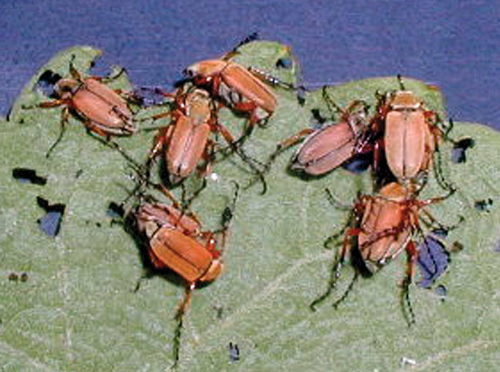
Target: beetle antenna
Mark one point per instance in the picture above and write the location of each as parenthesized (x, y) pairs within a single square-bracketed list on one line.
[(332, 106), (438, 171), (252, 37)]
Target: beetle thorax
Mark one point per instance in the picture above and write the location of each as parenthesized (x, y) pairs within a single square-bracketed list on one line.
[(198, 106), (405, 100)]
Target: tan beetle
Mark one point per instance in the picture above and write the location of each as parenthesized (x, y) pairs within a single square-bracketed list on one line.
[(384, 226), (102, 109), (411, 134), (186, 140), (245, 90), (330, 146), (175, 241)]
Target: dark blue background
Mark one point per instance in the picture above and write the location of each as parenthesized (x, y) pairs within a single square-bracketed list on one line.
[(454, 44)]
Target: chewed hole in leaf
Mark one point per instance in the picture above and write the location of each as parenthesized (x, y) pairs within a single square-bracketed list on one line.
[(433, 260), (26, 175), (50, 223)]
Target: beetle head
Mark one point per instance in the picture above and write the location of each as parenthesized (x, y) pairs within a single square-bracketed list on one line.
[(206, 68), (65, 88)]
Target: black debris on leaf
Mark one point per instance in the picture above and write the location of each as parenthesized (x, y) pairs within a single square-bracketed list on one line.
[(483, 205), (459, 148), (26, 175), (50, 224), (433, 260), (441, 291), (14, 277), (78, 173), (234, 353), (285, 62)]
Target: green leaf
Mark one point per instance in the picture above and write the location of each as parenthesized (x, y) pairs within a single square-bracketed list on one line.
[(78, 310)]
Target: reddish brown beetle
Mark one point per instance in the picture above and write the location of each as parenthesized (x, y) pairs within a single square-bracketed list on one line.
[(411, 133), (102, 109), (186, 138), (236, 86), (186, 141), (325, 149), (384, 226), (245, 90), (175, 242)]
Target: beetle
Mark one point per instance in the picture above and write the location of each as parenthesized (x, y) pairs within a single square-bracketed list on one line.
[(384, 226), (175, 241), (411, 134), (332, 145), (245, 90), (185, 141), (102, 109)]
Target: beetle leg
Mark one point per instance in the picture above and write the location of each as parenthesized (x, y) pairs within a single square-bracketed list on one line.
[(159, 142), (412, 254), (107, 79), (252, 37), (179, 317), (336, 268), (64, 121), (208, 158), (435, 222), (248, 107), (184, 208), (286, 144), (425, 202), (235, 146), (75, 74), (50, 104)]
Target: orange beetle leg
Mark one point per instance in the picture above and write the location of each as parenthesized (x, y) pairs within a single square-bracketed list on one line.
[(176, 204), (159, 142), (286, 144), (208, 158), (55, 103)]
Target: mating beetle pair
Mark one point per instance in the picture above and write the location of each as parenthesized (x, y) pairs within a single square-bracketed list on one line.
[(402, 132)]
